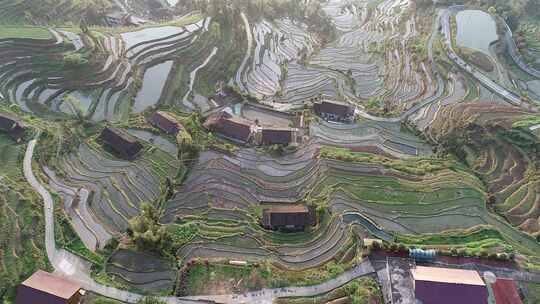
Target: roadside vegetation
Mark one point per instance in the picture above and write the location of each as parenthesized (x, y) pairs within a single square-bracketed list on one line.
[(360, 291)]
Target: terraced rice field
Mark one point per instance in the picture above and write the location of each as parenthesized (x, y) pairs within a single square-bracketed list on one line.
[(102, 194), (370, 57), (34, 74), (365, 135), (141, 271), (505, 166), (276, 44), (223, 194)]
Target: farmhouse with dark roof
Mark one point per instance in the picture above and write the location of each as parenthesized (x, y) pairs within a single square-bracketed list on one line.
[(122, 143), (335, 111), (12, 126), (289, 217), (165, 122), (43, 287), (277, 136), (231, 127)]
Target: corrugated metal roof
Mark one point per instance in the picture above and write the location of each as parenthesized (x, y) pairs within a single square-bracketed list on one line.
[(447, 275), (52, 284)]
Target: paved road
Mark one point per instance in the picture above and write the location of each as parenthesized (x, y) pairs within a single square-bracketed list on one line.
[(77, 269), (514, 53), (70, 265), (266, 296), (248, 53)]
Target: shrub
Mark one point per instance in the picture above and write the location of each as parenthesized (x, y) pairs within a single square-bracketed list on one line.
[(75, 59), (150, 300), (503, 256)]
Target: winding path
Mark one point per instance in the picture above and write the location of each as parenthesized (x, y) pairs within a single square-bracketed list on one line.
[(77, 269), (67, 264), (248, 52)]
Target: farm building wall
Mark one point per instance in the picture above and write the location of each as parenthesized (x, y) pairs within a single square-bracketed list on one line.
[(29, 295), (449, 293)]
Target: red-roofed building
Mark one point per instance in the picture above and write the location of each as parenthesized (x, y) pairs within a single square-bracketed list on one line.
[(506, 292), (46, 288)]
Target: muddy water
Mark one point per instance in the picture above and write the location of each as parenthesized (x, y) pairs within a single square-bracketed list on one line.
[(153, 83), (476, 30)]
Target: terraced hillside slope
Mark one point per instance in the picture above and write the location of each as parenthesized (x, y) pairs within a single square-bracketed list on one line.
[(50, 11), (357, 115), (501, 152), (286, 66), (224, 195), (21, 220)]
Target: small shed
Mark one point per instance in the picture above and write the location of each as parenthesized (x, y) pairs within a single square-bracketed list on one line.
[(231, 127), (122, 143), (165, 122), (334, 111), (423, 255), (277, 136), (46, 288), (295, 217), (434, 285), (12, 126)]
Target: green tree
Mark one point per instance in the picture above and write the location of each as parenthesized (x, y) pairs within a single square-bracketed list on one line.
[(147, 233)]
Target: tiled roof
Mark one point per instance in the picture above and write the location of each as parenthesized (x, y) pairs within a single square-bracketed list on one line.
[(334, 107), (165, 122), (276, 135), (230, 126), (121, 142)]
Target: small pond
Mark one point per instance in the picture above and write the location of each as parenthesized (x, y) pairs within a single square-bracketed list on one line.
[(153, 83), (475, 30)]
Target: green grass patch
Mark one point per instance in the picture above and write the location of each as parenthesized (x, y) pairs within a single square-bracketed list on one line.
[(527, 122), (24, 32), (476, 239), (416, 166), (221, 278)]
